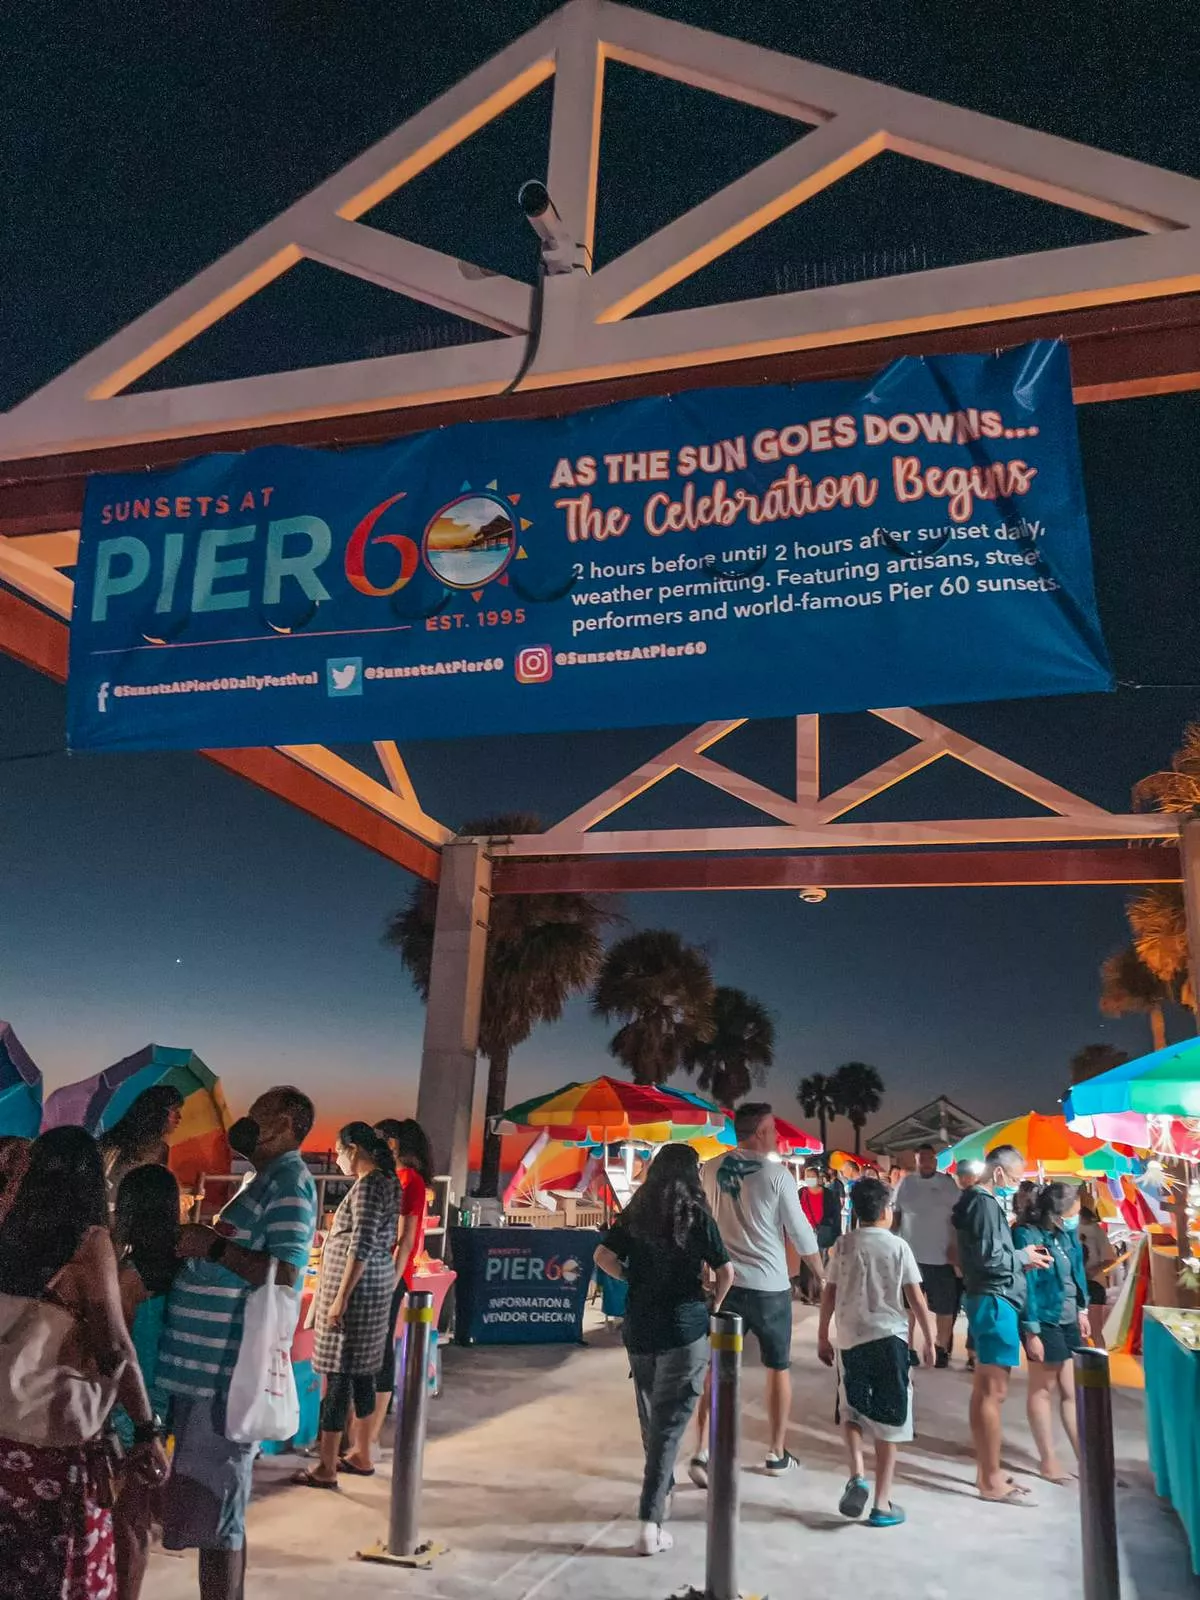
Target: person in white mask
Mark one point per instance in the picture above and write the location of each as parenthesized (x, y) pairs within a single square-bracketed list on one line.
[(354, 1298)]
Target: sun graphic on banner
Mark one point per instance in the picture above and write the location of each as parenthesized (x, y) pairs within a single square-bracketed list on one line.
[(471, 540)]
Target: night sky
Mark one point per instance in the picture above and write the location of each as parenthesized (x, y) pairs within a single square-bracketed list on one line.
[(154, 897)]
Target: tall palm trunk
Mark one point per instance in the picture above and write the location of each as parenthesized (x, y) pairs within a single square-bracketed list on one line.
[(858, 1128), (824, 1130), (497, 1095), (1158, 1028)]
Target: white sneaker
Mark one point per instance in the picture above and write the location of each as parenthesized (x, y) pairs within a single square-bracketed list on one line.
[(698, 1471), (652, 1540)]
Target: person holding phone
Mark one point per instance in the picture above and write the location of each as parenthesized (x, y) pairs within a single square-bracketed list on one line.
[(1055, 1321), (993, 1272)]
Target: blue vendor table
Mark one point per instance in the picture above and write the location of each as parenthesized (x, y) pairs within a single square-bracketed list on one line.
[(1173, 1415), (521, 1285)]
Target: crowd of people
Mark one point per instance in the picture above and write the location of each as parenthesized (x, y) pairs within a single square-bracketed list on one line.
[(892, 1263), (121, 1325)]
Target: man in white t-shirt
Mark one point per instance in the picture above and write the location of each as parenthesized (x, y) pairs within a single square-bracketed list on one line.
[(756, 1204), (924, 1202), (872, 1287)]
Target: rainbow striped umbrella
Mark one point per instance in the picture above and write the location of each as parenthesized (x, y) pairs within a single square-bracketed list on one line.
[(1046, 1143), (611, 1111), (1165, 1083), (20, 1088), (198, 1144)]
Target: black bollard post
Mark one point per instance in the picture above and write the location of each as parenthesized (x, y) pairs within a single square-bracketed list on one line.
[(404, 1546), (1097, 1476), (724, 1428)]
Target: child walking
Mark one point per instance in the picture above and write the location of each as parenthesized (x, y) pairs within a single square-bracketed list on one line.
[(872, 1283)]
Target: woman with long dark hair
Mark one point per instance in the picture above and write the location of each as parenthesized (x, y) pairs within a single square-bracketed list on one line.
[(146, 1234), (57, 1263), (407, 1141), (140, 1138), (354, 1295), (661, 1243), (1055, 1321)]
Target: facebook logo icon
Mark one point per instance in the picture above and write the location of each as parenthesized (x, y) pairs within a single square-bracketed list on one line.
[(343, 676)]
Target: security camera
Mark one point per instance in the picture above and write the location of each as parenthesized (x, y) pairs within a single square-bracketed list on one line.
[(560, 253), (813, 897)]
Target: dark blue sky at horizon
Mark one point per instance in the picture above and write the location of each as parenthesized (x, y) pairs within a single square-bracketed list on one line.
[(157, 897)]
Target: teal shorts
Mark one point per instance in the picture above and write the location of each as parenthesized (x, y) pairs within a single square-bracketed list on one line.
[(995, 1330)]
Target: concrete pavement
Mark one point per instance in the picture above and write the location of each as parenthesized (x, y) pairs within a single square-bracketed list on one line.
[(532, 1471)]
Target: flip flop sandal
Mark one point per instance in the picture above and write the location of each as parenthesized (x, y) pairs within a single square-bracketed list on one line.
[(1016, 1496), (306, 1480), (352, 1471)]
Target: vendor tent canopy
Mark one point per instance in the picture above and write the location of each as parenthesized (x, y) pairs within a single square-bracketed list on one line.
[(611, 1111), (939, 1123), (199, 1143), (1046, 1143), (20, 1087), (1165, 1083)]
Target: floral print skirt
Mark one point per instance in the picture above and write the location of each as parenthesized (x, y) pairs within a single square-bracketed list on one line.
[(56, 1529)]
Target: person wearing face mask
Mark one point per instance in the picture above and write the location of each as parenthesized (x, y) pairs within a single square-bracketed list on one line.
[(272, 1218), (1055, 1321), (354, 1297), (993, 1272)]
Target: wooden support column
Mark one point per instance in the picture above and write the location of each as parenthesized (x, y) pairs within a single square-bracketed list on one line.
[(447, 1086)]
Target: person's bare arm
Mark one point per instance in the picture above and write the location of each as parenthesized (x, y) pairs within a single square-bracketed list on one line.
[(612, 1265), (723, 1282), (405, 1242), (825, 1349), (196, 1243), (798, 1230), (104, 1323), (133, 1292), (919, 1306)]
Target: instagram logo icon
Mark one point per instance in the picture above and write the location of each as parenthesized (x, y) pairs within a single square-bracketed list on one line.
[(535, 664)]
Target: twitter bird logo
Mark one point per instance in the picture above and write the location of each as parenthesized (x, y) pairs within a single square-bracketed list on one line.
[(343, 676)]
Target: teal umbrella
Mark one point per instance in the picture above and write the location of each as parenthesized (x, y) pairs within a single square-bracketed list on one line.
[(20, 1088)]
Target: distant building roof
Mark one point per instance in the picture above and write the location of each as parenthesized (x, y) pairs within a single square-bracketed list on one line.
[(940, 1123)]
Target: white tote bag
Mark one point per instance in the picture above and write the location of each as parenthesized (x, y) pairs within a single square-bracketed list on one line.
[(263, 1404)]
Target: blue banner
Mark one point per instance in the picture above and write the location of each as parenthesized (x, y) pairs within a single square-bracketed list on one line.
[(521, 1285), (915, 539)]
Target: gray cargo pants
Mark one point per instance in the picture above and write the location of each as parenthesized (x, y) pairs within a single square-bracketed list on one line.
[(668, 1384)]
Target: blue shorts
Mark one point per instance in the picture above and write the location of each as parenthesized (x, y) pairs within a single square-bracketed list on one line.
[(205, 1500), (995, 1330)]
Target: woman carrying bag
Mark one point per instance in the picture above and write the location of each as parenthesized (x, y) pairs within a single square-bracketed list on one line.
[(354, 1297), (65, 1356)]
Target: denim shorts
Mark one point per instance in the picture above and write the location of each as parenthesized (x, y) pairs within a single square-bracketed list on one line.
[(767, 1314), (995, 1329)]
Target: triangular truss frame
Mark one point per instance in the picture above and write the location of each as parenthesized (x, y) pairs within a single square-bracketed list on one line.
[(808, 820), (586, 334)]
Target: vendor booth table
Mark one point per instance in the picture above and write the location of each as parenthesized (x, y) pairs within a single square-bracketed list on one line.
[(1171, 1355), (521, 1285)]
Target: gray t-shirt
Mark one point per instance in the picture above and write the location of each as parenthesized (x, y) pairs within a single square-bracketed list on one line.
[(925, 1206), (756, 1205)]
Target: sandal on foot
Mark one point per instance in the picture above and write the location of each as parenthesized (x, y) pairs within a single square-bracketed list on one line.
[(1014, 1496), (307, 1480), (886, 1517), (348, 1467), (854, 1497)]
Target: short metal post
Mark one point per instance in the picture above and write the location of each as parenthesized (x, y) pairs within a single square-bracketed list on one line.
[(1097, 1476), (724, 1429), (408, 1458)]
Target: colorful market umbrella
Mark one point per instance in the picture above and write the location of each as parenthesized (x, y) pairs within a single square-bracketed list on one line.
[(1046, 1143), (1165, 1083), (197, 1146), (611, 1111), (20, 1088)]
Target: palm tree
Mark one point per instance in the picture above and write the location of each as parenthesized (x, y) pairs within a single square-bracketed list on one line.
[(740, 1051), (1094, 1059), (542, 949), (1127, 985), (818, 1096), (1178, 788), (859, 1088), (1158, 921), (661, 990)]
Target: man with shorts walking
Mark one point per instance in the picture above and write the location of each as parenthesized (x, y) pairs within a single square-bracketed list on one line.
[(756, 1205), (993, 1272), (924, 1202)]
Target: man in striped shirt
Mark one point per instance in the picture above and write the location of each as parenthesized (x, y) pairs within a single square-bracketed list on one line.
[(273, 1217)]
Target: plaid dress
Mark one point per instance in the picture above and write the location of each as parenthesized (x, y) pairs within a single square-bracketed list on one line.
[(364, 1229)]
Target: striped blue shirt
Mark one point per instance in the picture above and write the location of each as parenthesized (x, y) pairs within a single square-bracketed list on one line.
[(275, 1211)]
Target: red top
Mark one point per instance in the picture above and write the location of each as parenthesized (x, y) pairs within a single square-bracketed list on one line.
[(812, 1202), (412, 1204)]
